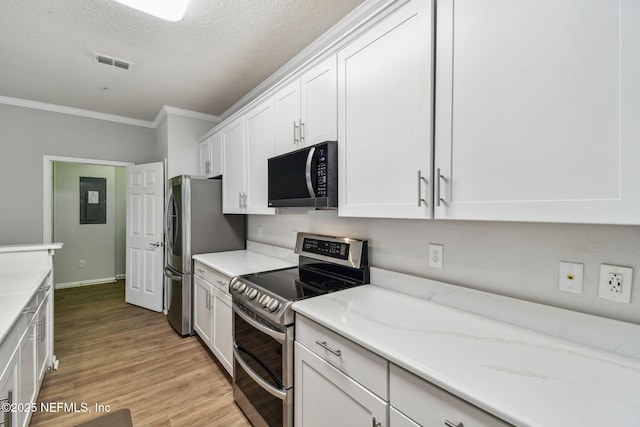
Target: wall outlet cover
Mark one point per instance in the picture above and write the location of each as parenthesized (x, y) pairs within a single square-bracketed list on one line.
[(615, 283), (436, 256), (570, 277)]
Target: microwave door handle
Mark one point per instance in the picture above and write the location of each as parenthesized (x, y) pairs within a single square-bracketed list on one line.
[(307, 172)]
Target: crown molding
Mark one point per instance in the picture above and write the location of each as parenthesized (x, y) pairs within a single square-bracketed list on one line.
[(166, 109), (17, 102)]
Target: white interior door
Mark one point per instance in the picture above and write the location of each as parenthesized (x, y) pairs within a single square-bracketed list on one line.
[(145, 200)]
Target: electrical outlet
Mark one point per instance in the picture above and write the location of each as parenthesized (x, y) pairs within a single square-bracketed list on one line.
[(82, 263), (436, 256), (570, 277), (294, 237), (615, 283)]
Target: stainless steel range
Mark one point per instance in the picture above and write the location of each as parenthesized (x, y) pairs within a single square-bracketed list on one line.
[(263, 329)]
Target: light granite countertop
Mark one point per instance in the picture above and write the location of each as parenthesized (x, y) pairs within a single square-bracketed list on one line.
[(525, 377)]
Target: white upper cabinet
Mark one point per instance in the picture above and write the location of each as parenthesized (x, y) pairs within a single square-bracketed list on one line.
[(385, 98), (248, 141), (537, 110), (305, 109), (234, 153), (259, 123), (210, 156)]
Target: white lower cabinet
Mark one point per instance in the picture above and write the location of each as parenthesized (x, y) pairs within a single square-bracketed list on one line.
[(428, 405), (319, 386), (331, 371), (8, 391), (212, 313), (398, 419), (25, 354)]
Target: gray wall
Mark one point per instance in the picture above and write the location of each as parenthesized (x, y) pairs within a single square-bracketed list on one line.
[(99, 245), (508, 258), (29, 134)]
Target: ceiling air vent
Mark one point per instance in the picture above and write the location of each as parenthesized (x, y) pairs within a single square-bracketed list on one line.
[(107, 60)]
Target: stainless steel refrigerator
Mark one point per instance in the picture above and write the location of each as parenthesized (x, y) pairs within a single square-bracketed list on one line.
[(194, 224)]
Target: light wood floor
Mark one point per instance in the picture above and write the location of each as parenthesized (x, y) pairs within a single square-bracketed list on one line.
[(113, 353)]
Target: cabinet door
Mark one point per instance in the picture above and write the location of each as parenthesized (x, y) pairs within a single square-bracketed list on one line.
[(397, 419), (42, 338), (287, 118), (215, 146), (222, 329), (319, 386), (260, 146), (9, 391), (319, 107), (204, 158), (537, 110), (202, 310), (234, 154), (27, 375), (384, 117)]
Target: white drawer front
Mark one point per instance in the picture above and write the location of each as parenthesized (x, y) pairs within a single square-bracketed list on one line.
[(430, 405), (363, 366), (212, 276), (397, 419)]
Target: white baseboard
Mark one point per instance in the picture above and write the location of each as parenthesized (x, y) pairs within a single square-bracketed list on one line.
[(121, 276), (85, 283)]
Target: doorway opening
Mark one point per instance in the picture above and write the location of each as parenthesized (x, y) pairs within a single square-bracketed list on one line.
[(92, 253)]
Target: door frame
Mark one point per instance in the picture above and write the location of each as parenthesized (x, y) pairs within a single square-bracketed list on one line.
[(47, 190)]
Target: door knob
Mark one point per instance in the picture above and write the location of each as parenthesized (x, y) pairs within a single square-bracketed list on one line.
[(157, 244)]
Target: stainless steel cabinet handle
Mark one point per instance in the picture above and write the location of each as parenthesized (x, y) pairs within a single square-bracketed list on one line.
[(295, 137), (207, 167), (375, 423), (439, 178), (208, 302), (29, 310), (324, 345), (450, 424), (420, 198), (302, 131)]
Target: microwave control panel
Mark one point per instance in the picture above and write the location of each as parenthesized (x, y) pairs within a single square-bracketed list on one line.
[(321, 172)]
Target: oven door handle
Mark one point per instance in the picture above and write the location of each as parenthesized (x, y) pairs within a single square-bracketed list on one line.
[(282, 395), (278, 336)]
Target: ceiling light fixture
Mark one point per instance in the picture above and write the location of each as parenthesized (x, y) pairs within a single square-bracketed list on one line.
[(169, 10)]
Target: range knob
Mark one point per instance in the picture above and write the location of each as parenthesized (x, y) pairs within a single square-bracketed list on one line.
[(239, 286), (273, 305), (265, 301), (251, 293)]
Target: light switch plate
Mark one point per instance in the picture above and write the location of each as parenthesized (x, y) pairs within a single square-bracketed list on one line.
[(570, 277), (615, 283)]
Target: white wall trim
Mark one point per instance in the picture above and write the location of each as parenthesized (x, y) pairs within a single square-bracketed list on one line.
[(102, 281), (166, 109), (47, 170), (17, 102), (121, 276)]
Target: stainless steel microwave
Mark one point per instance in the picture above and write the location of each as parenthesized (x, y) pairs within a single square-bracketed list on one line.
[(305, 178)]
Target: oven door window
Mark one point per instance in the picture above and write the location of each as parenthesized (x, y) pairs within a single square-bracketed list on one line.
[(258, 369)]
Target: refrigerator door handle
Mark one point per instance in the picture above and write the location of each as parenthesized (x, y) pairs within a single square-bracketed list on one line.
[(169, 273)]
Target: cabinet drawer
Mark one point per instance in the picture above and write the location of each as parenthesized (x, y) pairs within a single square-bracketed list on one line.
[(430, 405), (363, 366), (212, 276)]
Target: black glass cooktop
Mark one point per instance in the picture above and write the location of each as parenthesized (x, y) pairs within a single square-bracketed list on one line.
[(288, 285)]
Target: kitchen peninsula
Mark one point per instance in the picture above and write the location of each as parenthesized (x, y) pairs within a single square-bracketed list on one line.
[(26, 326)]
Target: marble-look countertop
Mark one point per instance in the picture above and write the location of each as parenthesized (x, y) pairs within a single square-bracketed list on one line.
[(525, 377), (235, 263), (19, 280)]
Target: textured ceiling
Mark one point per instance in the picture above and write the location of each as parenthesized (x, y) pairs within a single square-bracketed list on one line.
[(218, 52)]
